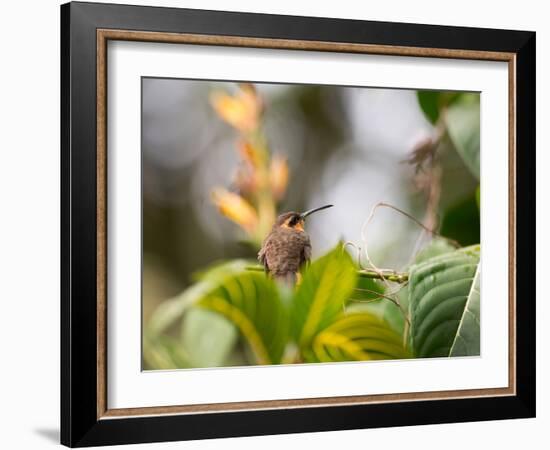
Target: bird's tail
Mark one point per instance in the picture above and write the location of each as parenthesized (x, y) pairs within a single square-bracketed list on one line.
[(288, 279)]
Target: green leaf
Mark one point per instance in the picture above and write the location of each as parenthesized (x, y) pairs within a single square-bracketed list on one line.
[(371, 301), (444, 304), (432, 102), (437, 246), (207, 337), (367, 289), (463, 125), (461, 221), (320, 297), (171, 310), (467, 338), (428, 101), (356, 337), (163, 353), (251, 301), (385, 309)]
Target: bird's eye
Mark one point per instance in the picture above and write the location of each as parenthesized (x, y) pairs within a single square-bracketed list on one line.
[(294, 221)]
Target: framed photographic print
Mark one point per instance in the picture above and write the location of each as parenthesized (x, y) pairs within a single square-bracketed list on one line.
[(276, 224)]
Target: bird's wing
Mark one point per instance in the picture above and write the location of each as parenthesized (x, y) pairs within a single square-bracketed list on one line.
[(306, 252), (262, 257)]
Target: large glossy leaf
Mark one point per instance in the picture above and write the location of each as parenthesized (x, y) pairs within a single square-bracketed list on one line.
[(385, 309), (320, 297), (463, 125), (467, 338), (251, 302), (207, 337), (437, 246), (356, 337), (444, 304)]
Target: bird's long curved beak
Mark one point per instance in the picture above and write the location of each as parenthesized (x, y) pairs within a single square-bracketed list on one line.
[(311, 211)]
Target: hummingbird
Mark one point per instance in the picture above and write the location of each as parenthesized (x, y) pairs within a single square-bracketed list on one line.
[(287, 247)]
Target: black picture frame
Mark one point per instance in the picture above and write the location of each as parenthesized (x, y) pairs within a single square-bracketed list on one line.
[(80, 425)]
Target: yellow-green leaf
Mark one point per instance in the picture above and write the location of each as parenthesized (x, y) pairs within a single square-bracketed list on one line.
[(207, 337), (356, 337), (171, 310), (251, 302), (320, 297)]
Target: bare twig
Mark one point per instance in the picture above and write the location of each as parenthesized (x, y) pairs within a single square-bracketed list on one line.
[(381, 296), (380, 272), (432, 231), (356, 248)]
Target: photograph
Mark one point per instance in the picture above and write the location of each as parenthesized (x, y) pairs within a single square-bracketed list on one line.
[(303, 223)]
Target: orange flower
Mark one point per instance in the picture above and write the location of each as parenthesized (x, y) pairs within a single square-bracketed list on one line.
[(251, 155), (241, 110), (278, 176), (245, 180), (235, 208)]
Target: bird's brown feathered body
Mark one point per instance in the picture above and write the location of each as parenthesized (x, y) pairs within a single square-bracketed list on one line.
[(284, 251), (287, 247)]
